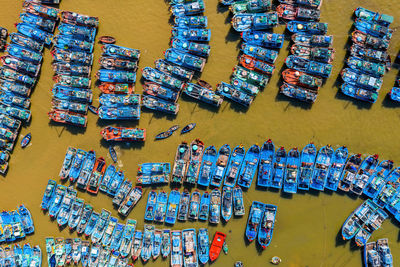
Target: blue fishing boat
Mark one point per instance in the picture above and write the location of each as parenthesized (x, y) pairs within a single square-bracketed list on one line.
[(148, 237), (72, 93), (368, 53), (307, 27), (248, 6), (359, 93), (174, 70), (108, 176), (48, 195), (116, 76), (335, 170), (238, 204), (172, 208), (250, 76), (254, 21), (162, 78), (85, 250), (91, 223), (100, 226), (390, 188), (8, 231), (57, 200), (215, 206), (64, 68), (267, 223), (75, 213), (137, 245), (25, 41), (188, 8), (18, 255), (367, 67), (369, 15), (321, 167), (249, 166), (393, 205), (194, 205), (65, 209), (26, 220), (166, 243), (394, 94), (221, 165), (160, 207), (67, 163), (156, 247), (264, 39), (27, 258), (86, 170), (279, 166), (72, 57), (108, 231), (203, 94), (356, 78), (207, 166), (183, 206), (204, 206), (245, 86), (367, 168), (73, 81), (78, 32), (77, 165), (191, 34), (34, 33), (227, 203), (292, 171), (378, 179), (151, 206), (254, 220), (191, 21), (127, 238), (176, 250), (115, 183), (235, 162), (68, 42), (13, 76), (14, 87), (259, 52), (373, 223), (198, 49), (122, 192), (21, 65), (120, 113), (235, 94), (371, 28), (122, 52), (186, 60), (267, 160), (130, 201), (39, 22), (349, 172), (158, 104), (189, 247), (309, 66)]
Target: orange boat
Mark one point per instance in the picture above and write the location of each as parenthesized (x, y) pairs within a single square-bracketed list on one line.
[(252, 63), (68, 117), (302, 79), (117, 88), (216, 245), (110, 133), (95, 178), (106, 40)]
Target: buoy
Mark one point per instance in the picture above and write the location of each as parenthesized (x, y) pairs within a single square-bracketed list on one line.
[(299, 26), (195, 147), (181, 150), (276, 260)]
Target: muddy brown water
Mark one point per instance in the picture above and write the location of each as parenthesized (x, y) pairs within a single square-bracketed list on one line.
[(307, 231)]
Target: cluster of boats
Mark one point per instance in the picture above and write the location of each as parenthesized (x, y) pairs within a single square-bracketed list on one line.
[(3, 38), (378, 254), (360, 225), (368, 59), (261, 223), (15, 224), (183, 206), (17, 256), (188, 52), (395, 91), (311, 54), (73, 58), (153, 173), (4, 157), (117, 77), (259, 49)]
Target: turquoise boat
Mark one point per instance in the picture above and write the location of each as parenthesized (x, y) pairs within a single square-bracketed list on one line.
[(39, 22), (127, 238), (156, 247), (191, 34), (235, 162), (227, 203), (194, 205), (166, 243), (307, 160), (78, 32), (279, 165), (242, 22), (249, 166), (188, 8), (176, 251), (367, 168), (101, 225), (183, 59), (207, 166), (378, 179), (148, 237), (122, 192), (91, 224), (183, 206), (65, 209), (266, 167), (84, 218), (389, 190), (189, 247), (349, 172), (254, 220), (57, 201), (48, 195), (191, 21), (194, 48), (259, 52), (77, 165), (338, 160), (120, 51), (108, 232), (67, 163), (162, 78), (266, 227), (215, 206), (235, 94), (26, 220), (221, 165), (204, 206), (75, 213), (172, 208), (321, 167), (108, 176), (161, 206), (25, 41), (115, 183), (238, 204), (86, 170)]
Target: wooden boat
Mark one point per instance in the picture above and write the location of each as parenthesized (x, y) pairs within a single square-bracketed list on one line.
[(255, 216), (14, 76), (312, 40), (236, 95), (349, 172), (95, 178), (172, 208), (266, 168), (249, 166), (297, 92), (114, 63), (221, 165), (110, 133), (266, 227), (238, 204), (372, 28), (309, 66), (369, 54), (148, 237), (122, 192), (203, 94), (227, 203), (191, 34), (107, 39), (307, 27), (84, 218), (78, 164), (166, 243), (359, 93), (176, 251), (204, 206), (72, 43), (203, 245), (21, 65), (367, 168), (180, 163), (72, 57), (191, 21), (101, 226), (264, 39), (67, 117), (157, 104), (292, 171), (157, 90), (108, 176), (356, 78), (338, 161), (68, 251), (215, 206), (163, 135), (59, 251), (151, 206), (72, 93), (184, 206), (279, 166), (130, 201), (188, 8), (321, 167), (156, 246), (131, 112), (110, 226), (321, 54), (153, 173), (259, 52), (91, 224), (373, 223), (117, 88), (234, 165), (67, 163), (94, 254), (369, 15), (189, 247), (367, 67), (48, 195), (116, 76), (79, 19), (127, 238), (188, 128), (36, 34), (63, 68), (104, 255), (378, 179), (250, 76), (194, 206), (249, 6), (316, 4), (196, 155), (68, 106), (216, 245), (75, 213), (137, 245), (252, 63), (290, 12), (244, 86)]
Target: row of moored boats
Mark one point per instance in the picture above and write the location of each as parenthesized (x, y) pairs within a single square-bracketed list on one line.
[(15, 224), (21, 256)]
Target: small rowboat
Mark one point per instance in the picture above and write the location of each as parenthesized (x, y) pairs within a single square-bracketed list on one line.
[(94, 109), (164, 135), (173, 128), (26, 140), (188, 128), (106, 40), (204, 84), (113, 154)]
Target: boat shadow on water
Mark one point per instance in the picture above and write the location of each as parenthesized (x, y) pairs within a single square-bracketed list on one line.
[(341, 242), (389, 103), (222, 9), (202, 105), (360, 104), (122, 145), (286, 195), (232, 35), (70, 128)]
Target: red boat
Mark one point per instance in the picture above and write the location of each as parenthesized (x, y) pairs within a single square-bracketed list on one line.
[(117, 88), (216, 245), (110, 133), (96, 176), (106, 40), (252, 63), (302, 79), (68, 117)]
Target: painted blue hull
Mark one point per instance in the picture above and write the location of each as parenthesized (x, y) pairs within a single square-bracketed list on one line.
[(322, 164), (377, 181), (249, 166), (338, 160), (279, 168), (220, 165), (235, 162), (267, 160), (255, 216), (172, 208), (207, 166), (292, 171)]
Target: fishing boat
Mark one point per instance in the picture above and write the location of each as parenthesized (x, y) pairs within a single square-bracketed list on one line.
[(215, 206), (189, 247), (108, 176), (297, 92), (157, 90), (59, 251), (194, 48), (203, 245), (107, 39), (94, 254), (367, 168), (180, 163), (321, 168), (309, 66), (72, 93), (254, 21), (174, 70), (238, 204), (185, 60), (227, 203), (221, 165), (137, 245), (279, 166), (122, 192), (151, 206), (72, 57), (184, 206), (216, 245), (358, 79), (252, 63), (312, 40), (116, 76), (14, 76), (91, 224), (266, 227), (156, 247), (372, 28), (95, 178), (26, 220), (389, 191), (127, 238), (249, 6), (188, 8), (148, 237), (292, 171), (68, 251), (377, 253), (264, 39), (124, 134), (49, 250), (369, 54), (68, 162), (69, 42), (85, 250), (65, 209), (255, 216), (207, 166), (266, 168), (63, 68), (369, 15), (250, 76), (153, 173), (373, 223), (166, 243), (121, 52), (75, 213), (79, 19), (157, 104), (25, 41), (172, 208), (21, 65), (78, 164), (338, 162), (117, 88), (307, 27), (204, 206), (259, 52), (117, 100), (191, 34), (359, 93), (101, 226), (193, 167), (316, 4), (36, 34), (290, 12), (203, 94), (163, 135), (349, 172), (236, 95), (78, 32), (130, 201), (111, 224), (56, 201), (191, 21), (244, 86), (321, 54), (176, 251), (68, 117), (84, 218), (378, 179), (194, 206), (16, 88), (48, 195), (131, 112), (249, 166), (369, 41)]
